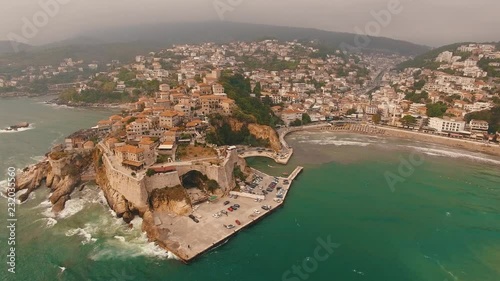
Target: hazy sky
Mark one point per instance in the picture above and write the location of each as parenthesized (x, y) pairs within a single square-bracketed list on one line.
[(430, 22)]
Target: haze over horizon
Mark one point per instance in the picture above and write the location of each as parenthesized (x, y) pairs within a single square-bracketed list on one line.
[(427, 22)]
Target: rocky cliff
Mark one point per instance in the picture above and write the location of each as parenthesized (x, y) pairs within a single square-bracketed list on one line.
[(265, 132), (259, 132), (62, 174), (170, 199)]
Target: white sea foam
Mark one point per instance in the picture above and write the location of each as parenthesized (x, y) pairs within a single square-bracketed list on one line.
[(120, 238), (22, 192), (38, 158), (20, 130), (453, 154), (336, 142), (49, 222), (85, 233), (126, 247), (56, 106), (44, 204), (77, 203)]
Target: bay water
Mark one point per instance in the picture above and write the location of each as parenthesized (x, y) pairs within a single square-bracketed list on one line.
[(436, 218)]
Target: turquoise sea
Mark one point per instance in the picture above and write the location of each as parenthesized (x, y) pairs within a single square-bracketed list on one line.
[(438, 221)]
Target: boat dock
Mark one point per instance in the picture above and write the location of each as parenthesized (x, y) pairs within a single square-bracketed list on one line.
[(188, 240)]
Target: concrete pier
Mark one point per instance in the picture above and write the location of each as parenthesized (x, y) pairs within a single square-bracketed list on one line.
[(189, 240)]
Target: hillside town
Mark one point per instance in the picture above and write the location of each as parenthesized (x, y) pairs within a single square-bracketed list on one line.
[(173, 92)]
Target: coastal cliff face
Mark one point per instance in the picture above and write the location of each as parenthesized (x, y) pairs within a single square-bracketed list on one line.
[(266, 132), (31, 178), (259, 132), (170, 199), (62, 172)]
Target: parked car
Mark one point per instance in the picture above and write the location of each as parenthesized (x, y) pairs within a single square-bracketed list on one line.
[(194, 218), (226, 203)]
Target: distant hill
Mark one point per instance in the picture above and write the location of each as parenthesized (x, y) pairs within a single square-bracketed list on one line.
[(126, 42), (6, 47), (427, 60), (53, 55)]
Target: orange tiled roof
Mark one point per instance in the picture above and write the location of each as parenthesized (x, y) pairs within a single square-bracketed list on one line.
[(129, 149), (169, 113)]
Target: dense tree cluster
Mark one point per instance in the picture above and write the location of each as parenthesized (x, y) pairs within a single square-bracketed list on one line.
[(239, 89), (436, 109), (491, 116), (222, 133)]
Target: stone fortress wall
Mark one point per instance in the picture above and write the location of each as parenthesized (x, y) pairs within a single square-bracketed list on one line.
[(137, 190)]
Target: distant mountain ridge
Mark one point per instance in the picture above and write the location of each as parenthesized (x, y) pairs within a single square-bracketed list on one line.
[(126, 42), (8, 47), (223, 32)]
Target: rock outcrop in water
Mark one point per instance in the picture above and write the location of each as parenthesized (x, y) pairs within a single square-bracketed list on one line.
[(62, 173)]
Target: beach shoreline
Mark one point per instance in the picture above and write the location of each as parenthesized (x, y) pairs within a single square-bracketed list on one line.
[(492, 149)]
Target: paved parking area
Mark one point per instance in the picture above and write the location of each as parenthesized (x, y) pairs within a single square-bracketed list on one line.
[(188, 239)]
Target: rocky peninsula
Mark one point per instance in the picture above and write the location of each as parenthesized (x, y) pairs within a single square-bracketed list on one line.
[(160, 197)]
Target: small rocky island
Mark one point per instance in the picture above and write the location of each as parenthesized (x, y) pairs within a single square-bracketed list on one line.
[(18, 126)]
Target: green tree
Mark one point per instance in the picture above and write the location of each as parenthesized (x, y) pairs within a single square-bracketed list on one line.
[(257, 90), (351, 111), (150, 172), (108, 87), (408, 121), (436, 109), (491, 116), (212, 185), (267, 100), (377, 118), (419, 84), (296, 123), (306, 119)]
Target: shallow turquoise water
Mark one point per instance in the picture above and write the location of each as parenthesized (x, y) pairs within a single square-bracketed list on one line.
[(440, 223)]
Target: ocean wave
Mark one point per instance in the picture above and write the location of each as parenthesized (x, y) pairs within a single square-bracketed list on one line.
[(56, 106), (44, 204), (453, 154), (74, 205), (337, 142), (127, 247), (85, 233), (120, 238), (22, 192), (38, 158), (49, 222)]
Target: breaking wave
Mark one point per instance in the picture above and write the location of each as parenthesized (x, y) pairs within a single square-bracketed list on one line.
[(453, 154), (20, 130)]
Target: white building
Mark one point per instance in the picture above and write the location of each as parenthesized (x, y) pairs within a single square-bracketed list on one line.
[(445, 57), (289, 115), (478, 125), (442, 125)]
